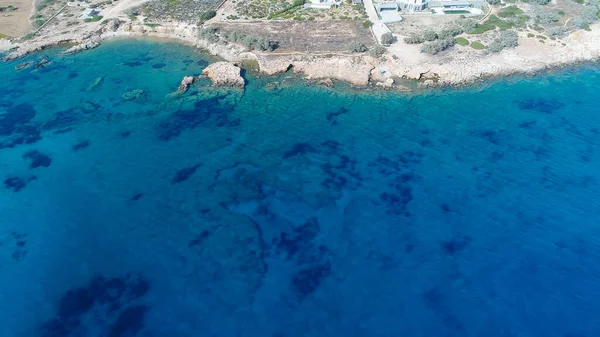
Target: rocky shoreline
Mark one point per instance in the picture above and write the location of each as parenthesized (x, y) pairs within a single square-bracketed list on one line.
[(451, 70)]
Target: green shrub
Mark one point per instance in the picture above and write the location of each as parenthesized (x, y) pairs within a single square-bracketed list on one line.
[(546, 17), (557, 31), (461, 41), (414, 39), (541, 2), (586, 17), (430, 35), (377, 51), (205, 16), (477, 45), (387, 39), (530, 35), (450, 32), (506, 39), (493, 2), (437, 46), (367, 24), (93, 18), (357, 47), (208, 34), (510, 11)]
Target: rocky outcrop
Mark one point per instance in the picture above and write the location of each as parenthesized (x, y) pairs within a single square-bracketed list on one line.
[(88, 44), (185, 83), (224, 74)]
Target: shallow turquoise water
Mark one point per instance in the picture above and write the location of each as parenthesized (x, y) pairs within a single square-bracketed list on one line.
[(293, 210)]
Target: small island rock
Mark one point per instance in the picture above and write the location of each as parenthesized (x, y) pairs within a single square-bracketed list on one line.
[(224, 74)]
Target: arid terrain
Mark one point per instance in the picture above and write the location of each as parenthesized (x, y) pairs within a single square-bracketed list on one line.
[(14, 17)]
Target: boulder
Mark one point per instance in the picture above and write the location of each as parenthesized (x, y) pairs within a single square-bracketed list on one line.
[(185, 83), (224, 74)]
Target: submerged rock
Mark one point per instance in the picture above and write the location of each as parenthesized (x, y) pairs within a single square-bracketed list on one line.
[(134, 95), (96, 83), (44, 62), (224, 74), (23, 65)]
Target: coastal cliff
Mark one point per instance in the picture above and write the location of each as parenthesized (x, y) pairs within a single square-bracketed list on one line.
[(463, 66)]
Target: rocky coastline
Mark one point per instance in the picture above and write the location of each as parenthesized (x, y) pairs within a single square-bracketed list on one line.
[(359, 70)]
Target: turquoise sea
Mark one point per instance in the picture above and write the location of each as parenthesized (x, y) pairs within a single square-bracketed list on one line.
[(293, 210)]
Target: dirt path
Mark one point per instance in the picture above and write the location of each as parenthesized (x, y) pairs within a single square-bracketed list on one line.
[(16, 23)]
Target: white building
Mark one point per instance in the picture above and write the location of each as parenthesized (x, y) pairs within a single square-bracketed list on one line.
[(321, 3), (412, 5)]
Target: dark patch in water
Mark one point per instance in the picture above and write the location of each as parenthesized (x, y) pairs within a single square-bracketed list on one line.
[(489, 135), (433, 298), (455, 245), (17, 183), (546, 106), (20, 240), (299, 149), (184, 174), (125, 134), (37, 159), (73, 74), (308, 279), (81, 145), (299, 242), (136, 197), (108, 295), (332, 117), (16, 117), (129, 323), (62, 119), (445, 208), (209, 111), (132, 64), (199, 239), (400, 171), (527, 125), (159, 65)]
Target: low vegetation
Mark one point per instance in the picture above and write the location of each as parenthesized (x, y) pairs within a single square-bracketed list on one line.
[(506, 39), (437, 46), (207, 15), (357, 47), (461, 41), (377, 51), (477, 45), (249, 41), (387, 39), (94, 18)]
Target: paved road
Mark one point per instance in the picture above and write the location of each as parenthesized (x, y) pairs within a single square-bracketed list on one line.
[(379, 28)]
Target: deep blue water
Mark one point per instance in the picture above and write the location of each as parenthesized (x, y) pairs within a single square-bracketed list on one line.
[(293, 210)]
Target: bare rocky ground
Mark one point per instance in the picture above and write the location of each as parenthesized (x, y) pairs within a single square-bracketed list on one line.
[(310, 36)]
